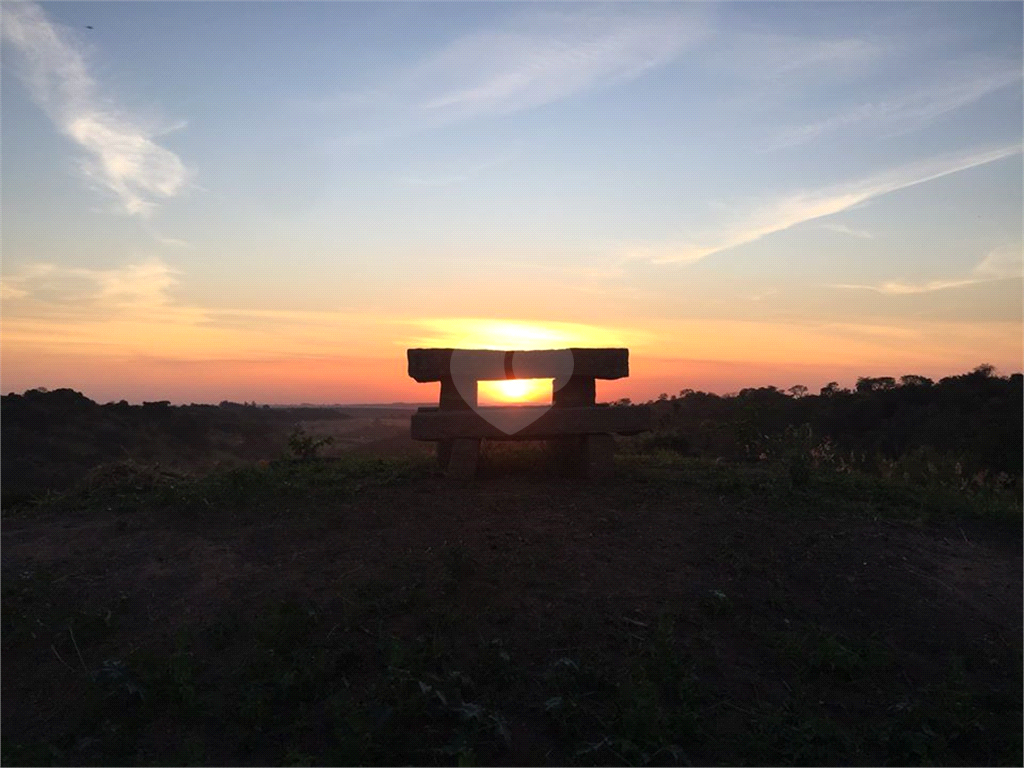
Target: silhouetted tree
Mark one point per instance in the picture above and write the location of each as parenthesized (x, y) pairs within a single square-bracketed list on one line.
[(983, 371), (875, 383), (976, 417), (910, 380)]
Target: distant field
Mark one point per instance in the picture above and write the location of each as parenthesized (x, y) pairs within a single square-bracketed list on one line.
[(370, 431), (358, 610), (51, 440)]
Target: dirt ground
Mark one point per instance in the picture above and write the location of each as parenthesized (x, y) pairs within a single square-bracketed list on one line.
[(839, 615)]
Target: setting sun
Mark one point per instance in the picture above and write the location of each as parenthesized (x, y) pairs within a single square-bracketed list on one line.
[(514, 391)]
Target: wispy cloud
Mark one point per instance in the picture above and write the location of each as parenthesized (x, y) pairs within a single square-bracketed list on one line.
[(906, 112), (121, 156), (767, 293), (509, 71), (902, 289), (1002, 263), (791, 210), (764, 57), (845, 230), (531, 60), (874, 329), (19, 284), (173, 241), (462, 175), (143, 285), (8, 291)]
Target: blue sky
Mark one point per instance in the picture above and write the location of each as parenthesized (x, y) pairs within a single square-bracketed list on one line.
[(777, 184)]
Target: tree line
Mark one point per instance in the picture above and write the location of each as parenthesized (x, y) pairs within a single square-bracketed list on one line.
[(977, 418)]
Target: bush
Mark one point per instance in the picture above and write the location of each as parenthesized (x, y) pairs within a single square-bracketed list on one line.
[(305, 446)]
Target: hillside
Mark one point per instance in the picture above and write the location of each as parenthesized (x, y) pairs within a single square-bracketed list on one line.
[(50, 440), (364, 611), (770, 578)]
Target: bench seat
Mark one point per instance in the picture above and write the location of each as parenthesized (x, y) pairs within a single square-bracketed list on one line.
[(437, 424)]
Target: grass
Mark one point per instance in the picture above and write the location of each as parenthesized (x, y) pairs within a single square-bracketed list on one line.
[(364, 611)]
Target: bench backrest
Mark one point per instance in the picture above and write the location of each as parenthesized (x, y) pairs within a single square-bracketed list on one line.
[(493, 365)]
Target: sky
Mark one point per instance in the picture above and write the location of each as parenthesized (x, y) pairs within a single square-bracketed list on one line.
[(273, 201)]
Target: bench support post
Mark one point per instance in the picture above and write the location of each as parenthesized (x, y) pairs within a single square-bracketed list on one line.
[(577, 392), (458, 457), (581, 455), (452, 400), (590, 456), (599, 451)]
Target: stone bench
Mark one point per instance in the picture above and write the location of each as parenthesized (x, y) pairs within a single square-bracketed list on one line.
[(577, 428)]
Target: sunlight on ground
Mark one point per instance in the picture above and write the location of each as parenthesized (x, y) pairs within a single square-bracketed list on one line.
[(514, 391)]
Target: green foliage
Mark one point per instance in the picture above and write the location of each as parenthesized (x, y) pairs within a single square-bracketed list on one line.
[(50, 440), (305, 446), (799, 468), (975, 420)]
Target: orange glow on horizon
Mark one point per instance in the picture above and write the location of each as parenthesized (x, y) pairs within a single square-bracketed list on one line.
[(186, 353)]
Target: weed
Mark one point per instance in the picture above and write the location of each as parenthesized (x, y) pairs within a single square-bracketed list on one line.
[(303, 446)]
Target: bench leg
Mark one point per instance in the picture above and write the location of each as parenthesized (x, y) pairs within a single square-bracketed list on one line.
[(590, 456), (599, 455), (567, 453), (458, 458)]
